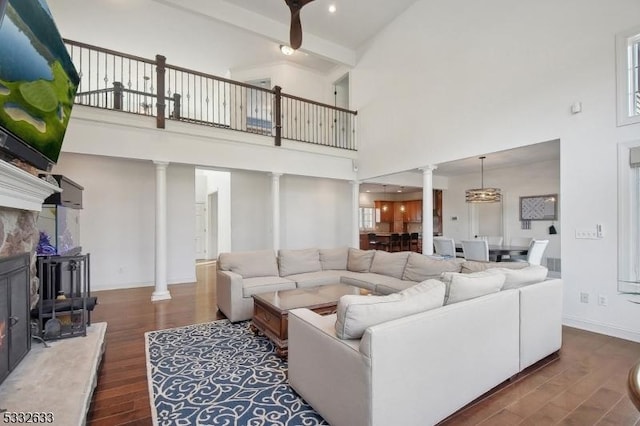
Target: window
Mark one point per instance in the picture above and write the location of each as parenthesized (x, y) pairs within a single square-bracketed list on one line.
[(628, 70), (366, 217), (629, 217)]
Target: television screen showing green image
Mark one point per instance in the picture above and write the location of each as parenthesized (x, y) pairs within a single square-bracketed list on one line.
[(38, 83)]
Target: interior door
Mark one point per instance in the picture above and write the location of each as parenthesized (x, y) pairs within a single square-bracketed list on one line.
[(213, 225)]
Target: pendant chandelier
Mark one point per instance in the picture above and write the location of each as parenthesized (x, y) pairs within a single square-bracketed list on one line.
[(482, 194)]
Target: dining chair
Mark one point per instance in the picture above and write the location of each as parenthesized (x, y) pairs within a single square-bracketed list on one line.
[(414, 240), (394, 241), (444, 246), (536, 250), (405, 241), (520, 241), (476, 250)]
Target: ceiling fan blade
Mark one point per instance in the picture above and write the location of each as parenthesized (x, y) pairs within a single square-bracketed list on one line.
[(295, 32)]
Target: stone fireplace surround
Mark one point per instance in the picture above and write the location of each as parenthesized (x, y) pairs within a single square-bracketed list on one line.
[(67, 396)]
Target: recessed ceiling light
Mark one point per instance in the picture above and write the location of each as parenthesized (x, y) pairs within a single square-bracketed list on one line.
[(332, 8), (286, 50)]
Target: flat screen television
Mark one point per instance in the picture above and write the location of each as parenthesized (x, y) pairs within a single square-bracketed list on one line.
[(38, 83)]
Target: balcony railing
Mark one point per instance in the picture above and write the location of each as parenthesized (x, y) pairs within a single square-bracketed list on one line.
[(118, 81)]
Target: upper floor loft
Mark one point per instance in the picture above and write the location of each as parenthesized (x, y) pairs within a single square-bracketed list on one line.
[(147, 87)]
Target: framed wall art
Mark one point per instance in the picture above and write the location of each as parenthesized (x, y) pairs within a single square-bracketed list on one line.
[(539, 207)]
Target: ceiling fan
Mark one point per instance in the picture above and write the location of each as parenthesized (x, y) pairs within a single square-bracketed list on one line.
[(295, 32)]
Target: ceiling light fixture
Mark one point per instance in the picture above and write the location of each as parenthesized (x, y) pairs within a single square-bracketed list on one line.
[(286, 50), (332, 8), (482, 194)]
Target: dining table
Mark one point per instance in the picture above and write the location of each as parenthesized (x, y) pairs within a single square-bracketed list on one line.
[(496, 252)]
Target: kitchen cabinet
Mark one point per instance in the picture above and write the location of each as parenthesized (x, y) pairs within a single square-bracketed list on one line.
[(386, 210)]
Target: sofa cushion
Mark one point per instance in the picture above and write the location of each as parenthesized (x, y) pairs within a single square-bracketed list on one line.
[(313, 279), (469, 266), (257, 285), (335, 258), (420, 267), (356, 313), (250, 264), (516, 278), (298, 261), (359, 260), (390, 264), (461, 287)]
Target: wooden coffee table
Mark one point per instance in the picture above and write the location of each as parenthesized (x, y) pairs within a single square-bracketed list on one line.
[(271, 310)]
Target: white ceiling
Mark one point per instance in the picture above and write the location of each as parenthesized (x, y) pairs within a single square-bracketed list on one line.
[(353, 23), (329, 39)]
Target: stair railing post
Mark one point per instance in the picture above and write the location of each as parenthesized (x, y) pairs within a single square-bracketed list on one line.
[(277, 91), (161, 62), (117, 95)]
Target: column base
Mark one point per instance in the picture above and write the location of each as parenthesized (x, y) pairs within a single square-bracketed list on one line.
[(160, 295)]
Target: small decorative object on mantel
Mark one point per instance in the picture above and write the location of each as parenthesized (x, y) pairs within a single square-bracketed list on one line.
[(539, 207), (552, 229), (525, 224)]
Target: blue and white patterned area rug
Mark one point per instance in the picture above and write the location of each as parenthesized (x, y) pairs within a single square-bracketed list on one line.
[(220, 373)]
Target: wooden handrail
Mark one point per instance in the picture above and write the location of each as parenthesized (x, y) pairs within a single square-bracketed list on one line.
[(108, 51), (634, 385), (312, 102)]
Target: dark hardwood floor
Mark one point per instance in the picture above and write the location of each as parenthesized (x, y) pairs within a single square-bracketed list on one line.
[(585, 386)]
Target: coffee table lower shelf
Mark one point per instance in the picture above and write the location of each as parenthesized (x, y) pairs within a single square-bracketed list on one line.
[(274, 323)]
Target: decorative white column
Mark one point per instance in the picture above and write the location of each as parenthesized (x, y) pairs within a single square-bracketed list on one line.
[(427, 209), (355, 214), (161, 292), (275, 202)]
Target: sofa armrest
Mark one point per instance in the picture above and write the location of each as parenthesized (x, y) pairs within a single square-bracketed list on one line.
[(329, 373), (540, 321), (228, 289)]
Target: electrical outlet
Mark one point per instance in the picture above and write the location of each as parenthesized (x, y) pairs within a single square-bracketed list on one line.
[(602, 300), (584, 297)]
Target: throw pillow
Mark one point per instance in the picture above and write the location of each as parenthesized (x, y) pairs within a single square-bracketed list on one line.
[(359, 260), (249, 264), (389, 264), (334, 258), (469, 266), (516, 278), (298, 261), (421, 267), (356, 313), (461, 287)]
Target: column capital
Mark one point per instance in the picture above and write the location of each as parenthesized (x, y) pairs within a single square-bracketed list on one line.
[(275, 174), (428, 168), (161, 164), (354, 182)]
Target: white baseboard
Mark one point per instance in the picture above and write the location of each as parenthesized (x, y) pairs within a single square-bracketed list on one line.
[(602, 328), (122, 286)]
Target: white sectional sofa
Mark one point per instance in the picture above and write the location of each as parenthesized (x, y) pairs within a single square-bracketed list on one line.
[(243, 274), (420, 368), (438, 334)]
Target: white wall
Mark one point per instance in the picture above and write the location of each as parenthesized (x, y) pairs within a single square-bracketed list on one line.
[(314, 212), (294, 80), (251, 211), (498, 74), (117, 222)]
